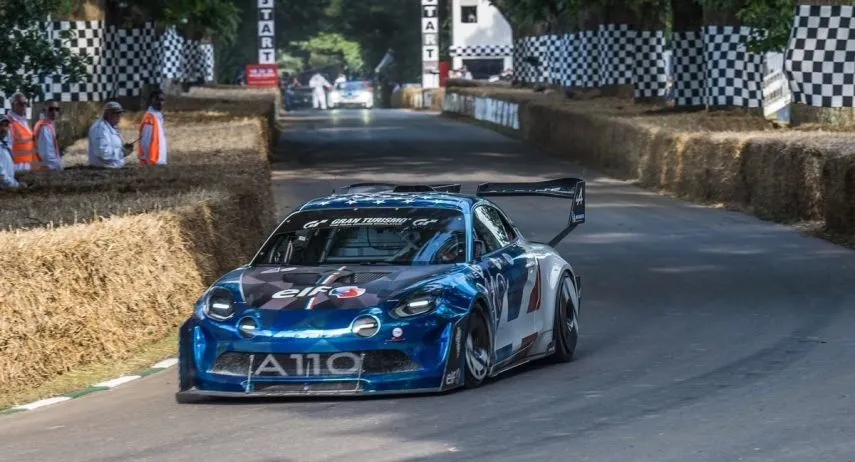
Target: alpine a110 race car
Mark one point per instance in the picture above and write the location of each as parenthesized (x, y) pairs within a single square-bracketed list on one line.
[(382, 288)]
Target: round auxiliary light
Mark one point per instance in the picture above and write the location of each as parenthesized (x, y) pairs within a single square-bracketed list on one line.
[(365, 326), (247, 327)]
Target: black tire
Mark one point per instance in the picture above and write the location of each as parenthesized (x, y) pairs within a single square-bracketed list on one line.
[(565, 328), (476, 352)]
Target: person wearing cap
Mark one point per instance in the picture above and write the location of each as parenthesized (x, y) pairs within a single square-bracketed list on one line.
[(106, 146), (45, 135), (20, 137), (152, 148), (7, 167)]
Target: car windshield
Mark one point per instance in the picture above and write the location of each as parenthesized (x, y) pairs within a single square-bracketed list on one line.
[(350, 86), (392, 236)]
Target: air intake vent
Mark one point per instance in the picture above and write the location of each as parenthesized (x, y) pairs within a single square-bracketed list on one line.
[(359, 278), (303, 279)]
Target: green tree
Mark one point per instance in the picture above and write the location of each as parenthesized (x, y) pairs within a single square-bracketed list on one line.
[(196, 19), (27, 53), (328, 49)]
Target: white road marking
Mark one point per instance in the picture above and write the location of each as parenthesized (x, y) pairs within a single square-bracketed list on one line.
[(166, 363), (117, 381), (43, 403)]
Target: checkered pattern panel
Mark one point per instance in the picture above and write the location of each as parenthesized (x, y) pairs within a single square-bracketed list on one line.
[(130, 56), (87, 37), (616, 54), (584, 59), (207, 63), (523, 70), (820, 58), (480, 51), (565, 64), (553, 44), (171, 55), (650, 74), (544, 70), (689, 68), (734, 75)]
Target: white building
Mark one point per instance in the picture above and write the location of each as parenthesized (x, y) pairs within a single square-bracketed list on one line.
[(481, 38)]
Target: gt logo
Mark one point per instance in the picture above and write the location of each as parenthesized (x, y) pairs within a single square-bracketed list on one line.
[(424, 222), (314, 224)]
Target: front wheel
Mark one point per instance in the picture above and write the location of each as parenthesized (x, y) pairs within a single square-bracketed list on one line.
[(565, 329), (477, 350)]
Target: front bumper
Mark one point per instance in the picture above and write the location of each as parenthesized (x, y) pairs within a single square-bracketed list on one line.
[(424, 357)]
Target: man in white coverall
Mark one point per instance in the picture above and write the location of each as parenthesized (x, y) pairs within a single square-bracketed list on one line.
[(319, 97), (7, 167), (106, 147)]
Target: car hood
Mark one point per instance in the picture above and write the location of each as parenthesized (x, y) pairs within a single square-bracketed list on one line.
[(330, 287)]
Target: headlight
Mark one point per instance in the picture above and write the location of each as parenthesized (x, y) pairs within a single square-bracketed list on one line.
[(416, 304), (220, 305)]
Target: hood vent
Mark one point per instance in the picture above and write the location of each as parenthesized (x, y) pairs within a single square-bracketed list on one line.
[(302, 279), (359, 278)]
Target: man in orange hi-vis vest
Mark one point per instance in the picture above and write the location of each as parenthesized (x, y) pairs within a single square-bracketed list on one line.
[(20, 138), (47, 144), (152, 147)]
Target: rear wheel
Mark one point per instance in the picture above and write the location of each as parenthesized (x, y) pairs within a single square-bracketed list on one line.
[(566, 330), (477, 350)]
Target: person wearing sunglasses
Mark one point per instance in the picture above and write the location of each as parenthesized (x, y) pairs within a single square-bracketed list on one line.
[(45, 135)]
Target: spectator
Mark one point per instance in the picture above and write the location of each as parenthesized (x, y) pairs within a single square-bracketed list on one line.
[(7, 167), (106, 147), (152, 149), (290, 94), (44, 132), (20, 136), (319, 97), (340, 79)]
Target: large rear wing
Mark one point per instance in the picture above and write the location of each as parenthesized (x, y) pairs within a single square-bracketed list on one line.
[(392, 187), (565, 188)]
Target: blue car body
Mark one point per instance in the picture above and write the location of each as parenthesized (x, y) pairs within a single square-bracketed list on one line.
[(355, 328)]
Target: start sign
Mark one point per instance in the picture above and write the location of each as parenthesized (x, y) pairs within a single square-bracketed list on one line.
[(262, 75)]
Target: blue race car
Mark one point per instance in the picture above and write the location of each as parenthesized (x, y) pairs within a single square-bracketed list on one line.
[(380, 288)]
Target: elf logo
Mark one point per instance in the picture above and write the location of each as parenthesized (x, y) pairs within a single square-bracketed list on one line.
[(338, 292)]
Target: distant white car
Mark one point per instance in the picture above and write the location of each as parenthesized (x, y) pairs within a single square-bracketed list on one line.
[(353, 93)]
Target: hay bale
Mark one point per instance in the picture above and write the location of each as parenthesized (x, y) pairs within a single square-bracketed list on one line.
[(99, 291), (104, 262)]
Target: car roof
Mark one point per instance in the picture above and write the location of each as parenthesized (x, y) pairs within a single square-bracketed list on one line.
[(435, 200)]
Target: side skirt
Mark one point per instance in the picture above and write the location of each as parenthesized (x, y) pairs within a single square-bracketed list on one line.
[(517, 364)]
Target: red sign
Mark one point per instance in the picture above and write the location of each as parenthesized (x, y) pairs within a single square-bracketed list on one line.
[(262, 75)]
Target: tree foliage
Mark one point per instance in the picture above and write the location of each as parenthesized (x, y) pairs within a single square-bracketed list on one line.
[(197, 19), (332, 50), (27, 51)]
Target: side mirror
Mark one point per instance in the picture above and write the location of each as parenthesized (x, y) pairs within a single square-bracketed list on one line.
[(479, 248)]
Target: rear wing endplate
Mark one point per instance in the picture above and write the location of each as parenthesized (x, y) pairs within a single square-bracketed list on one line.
[(565, 188)]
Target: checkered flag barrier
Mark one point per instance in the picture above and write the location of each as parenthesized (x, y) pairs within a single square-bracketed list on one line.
[(734, 76), (650, 74), (123, 60), (480, 51), (689, 76), (820, 58), (616, 54)]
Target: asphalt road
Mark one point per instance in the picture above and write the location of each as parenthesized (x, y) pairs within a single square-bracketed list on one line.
[(706, 336)]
